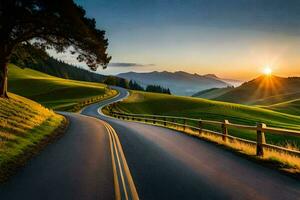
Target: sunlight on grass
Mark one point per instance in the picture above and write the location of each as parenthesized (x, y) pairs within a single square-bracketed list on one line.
[(23, 124), (160, 104), (52, 92)]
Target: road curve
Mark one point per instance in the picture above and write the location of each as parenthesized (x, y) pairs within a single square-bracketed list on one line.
[(166, 164), (77, 166)]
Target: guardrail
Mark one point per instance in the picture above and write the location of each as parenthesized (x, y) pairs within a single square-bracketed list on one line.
[(260, 129)]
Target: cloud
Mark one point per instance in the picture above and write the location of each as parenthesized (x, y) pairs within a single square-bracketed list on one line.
[(124, 64)]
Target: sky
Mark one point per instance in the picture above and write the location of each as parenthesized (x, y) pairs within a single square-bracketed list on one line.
[(229, 38)]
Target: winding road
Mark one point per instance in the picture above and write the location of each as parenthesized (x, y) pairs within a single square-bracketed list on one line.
[(105, 158)]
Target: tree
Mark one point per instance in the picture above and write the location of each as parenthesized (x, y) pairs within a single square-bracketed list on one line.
[(56, 24), (123, 83), (111, 80), (133, 85), (116, 81), (26, 55), (157, 89)]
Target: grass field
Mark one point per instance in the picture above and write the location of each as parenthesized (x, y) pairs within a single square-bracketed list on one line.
[(53, 92), (160, 104), (291, 107), (24, 124), (212, 93)]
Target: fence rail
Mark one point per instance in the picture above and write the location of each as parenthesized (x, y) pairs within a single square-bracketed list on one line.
[(260, 129)]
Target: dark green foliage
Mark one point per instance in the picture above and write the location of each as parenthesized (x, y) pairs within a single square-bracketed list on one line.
[(28, 56), (56, 24), (157, 89), (133, 85), (116, 81)]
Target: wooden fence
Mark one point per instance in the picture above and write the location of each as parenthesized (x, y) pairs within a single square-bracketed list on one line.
[(260, 129)]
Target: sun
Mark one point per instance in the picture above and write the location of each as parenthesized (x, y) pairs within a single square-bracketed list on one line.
[(267, 71)]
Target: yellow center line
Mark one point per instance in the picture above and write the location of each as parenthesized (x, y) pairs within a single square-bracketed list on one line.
[(126, 168), (117, 186), (114, 143), (119, 164)]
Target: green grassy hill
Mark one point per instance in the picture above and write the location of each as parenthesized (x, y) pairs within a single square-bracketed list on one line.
[(150, 103), (264, 90), (291, 107), (52, 92), (212, 93), (24, 126), (278, 99)]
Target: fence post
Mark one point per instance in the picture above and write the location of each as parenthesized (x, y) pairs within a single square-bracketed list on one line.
[(225, 130), (261, 140), (154, 120), (165, 121), (200, 127), (174, 123), (184, 124)]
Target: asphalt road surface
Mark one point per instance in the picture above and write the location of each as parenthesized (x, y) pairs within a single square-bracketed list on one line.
[(166, 164), (162, 164), (77, 166)]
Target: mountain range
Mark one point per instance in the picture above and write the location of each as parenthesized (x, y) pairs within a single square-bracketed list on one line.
[(180, 82)]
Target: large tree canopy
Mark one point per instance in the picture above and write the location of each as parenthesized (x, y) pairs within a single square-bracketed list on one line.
[(57, 24)]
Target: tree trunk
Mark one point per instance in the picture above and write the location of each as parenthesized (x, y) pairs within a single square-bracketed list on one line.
[(3, 77), (5, 53)]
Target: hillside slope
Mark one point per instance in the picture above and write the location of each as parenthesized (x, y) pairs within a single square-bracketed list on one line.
[(37, 59), (291, 107), (212, 93), (52, 92), (150, 103), (264, 90), (24, 125), (180, 83)]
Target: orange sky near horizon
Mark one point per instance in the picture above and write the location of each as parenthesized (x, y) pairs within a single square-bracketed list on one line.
[(232, 54), (237, 54)]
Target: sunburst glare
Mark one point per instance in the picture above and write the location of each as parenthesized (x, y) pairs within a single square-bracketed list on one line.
[(267, 71)]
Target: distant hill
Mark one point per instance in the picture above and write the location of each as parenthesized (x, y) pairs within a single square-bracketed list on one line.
[(212, 93), (264, 90), (233, 82), (180, 83)]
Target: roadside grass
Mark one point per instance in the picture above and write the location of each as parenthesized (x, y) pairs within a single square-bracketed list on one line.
[(55, 93), (25, 126), (161, 104), (284, 160), (280, 159)]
